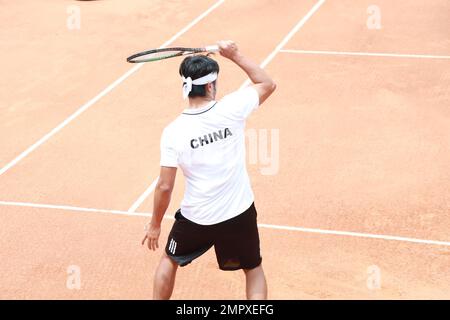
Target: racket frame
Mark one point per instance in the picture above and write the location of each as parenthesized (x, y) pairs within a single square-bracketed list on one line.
[(178, 51)]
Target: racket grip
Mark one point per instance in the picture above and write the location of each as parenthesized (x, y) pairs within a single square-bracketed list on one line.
[(213, 48)]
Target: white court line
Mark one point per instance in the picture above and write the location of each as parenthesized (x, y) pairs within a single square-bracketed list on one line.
[(262, 65), (366, 54), (102, 94), (261, 225), (71, 208), (143, 196), (355, 234), (286, 39)]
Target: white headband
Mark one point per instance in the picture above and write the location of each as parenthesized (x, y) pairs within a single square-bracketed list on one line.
[(188, 82)]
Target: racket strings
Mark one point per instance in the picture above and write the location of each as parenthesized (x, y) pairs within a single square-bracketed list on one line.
[(163, 53)]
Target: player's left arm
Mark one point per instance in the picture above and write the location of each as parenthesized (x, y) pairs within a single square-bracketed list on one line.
[(163, 193)]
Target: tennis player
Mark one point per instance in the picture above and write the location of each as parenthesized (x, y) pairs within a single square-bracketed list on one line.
[(207, 142)]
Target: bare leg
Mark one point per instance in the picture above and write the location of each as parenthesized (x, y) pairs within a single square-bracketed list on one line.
[(256, 283), (164, 278)]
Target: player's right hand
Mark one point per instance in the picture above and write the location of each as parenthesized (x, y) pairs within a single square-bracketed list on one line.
[(228, 49)]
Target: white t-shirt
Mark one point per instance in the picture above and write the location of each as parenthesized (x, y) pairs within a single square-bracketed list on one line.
[(208, 144)]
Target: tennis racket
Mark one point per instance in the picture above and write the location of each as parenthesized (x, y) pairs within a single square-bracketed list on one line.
[(166, 53)]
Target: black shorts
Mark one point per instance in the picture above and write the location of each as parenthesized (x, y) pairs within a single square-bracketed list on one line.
[(236, 241)]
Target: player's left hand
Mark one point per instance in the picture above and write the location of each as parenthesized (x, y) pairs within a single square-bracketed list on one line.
[(152, 235)]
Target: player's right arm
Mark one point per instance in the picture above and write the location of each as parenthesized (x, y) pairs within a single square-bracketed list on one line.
[(262, 82)]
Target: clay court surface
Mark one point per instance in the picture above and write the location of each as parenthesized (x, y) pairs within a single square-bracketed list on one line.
[(363, 180)]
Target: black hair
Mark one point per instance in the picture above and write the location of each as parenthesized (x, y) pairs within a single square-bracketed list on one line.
[(197, 67)]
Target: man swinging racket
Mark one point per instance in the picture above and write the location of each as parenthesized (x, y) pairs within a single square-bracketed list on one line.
[(207, 142)]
